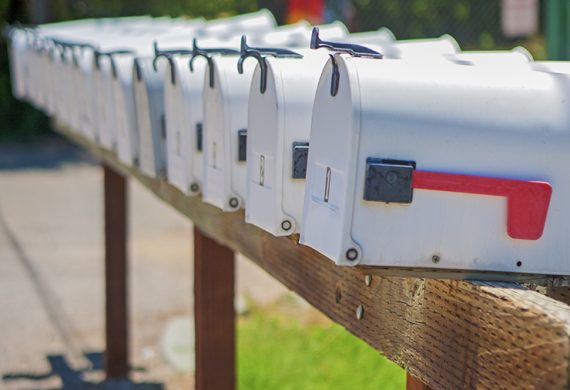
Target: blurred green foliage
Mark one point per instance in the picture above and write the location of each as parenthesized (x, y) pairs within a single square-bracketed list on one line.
[(278, 350), (473, 23)]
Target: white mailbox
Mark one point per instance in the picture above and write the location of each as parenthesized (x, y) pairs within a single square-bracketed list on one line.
[(226, 95), (280, 108), (451, 167), (184, 113), (183, 98), (125, 111), (149, 107)]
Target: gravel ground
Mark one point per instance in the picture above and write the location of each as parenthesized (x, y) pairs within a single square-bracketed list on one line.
[(51, 268)]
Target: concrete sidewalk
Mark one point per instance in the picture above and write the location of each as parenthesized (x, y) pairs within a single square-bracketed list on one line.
[(51, 268)]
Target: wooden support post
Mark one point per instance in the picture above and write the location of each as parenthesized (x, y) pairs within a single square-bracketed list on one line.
[(214, 314), (116, 319), (413, 383)]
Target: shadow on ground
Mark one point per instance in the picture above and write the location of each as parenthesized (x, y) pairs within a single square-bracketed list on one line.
[(73, 379), (49, 152)]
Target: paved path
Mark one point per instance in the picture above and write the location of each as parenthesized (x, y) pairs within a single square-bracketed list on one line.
[(51, 286)]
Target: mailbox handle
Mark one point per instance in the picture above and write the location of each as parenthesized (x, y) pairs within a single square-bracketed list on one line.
[(207, 54), (110, 54), (258, 53), (168, 55), (342, 47), (527, 201)]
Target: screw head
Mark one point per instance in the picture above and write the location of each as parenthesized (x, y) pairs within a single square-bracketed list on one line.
[(194, 187), (351, 254), (286, 225), (391, 177), (233, 202), (359, 312), (368, 280), (435, 259)]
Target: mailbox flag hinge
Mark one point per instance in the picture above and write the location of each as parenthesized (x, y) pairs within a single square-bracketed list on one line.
[(527, 201)]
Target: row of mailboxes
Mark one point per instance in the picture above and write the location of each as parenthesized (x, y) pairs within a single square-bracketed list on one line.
[(378, 152)]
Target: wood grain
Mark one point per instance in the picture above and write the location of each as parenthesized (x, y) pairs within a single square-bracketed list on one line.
[(448, 334)]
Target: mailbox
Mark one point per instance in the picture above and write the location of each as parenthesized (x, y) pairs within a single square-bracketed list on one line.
[(447, 167), (279, 119), (149, 108), (184, 112), (125, 111), (225, 97)]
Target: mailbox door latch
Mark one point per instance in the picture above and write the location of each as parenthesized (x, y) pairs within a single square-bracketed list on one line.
[(300, 156), (242, 144), (199, 137), (389, 181)]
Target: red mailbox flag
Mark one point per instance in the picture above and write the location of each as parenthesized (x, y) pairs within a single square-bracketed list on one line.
[(310, 10)]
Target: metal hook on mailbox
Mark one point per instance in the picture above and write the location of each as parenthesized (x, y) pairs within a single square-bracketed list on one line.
[(206, 53), (341, 47), (110, 54), (168, 55), (258, 53)]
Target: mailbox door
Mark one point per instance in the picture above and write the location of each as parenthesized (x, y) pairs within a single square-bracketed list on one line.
[(217, 179), (123, 96), (149, 101), (195, 111), (278, 134), (225, 120), (106, 120), (265, 139), (177, 129), (18, 51), (331, 166)]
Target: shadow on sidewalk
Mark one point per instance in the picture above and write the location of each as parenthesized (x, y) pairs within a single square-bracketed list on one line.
[(72, 379), (50, 152)]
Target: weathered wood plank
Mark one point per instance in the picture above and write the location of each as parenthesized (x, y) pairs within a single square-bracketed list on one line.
[(214, 315), (448, 334)]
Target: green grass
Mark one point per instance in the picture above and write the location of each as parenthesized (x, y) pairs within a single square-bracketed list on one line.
[(276, 351)]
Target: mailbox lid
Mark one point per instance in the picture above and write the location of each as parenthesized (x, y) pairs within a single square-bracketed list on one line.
[(278, 129), (399, 105), (225, 117)]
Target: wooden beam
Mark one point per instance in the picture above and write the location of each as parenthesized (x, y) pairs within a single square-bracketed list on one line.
[(448, 334), (116, 308), (214, 314)]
